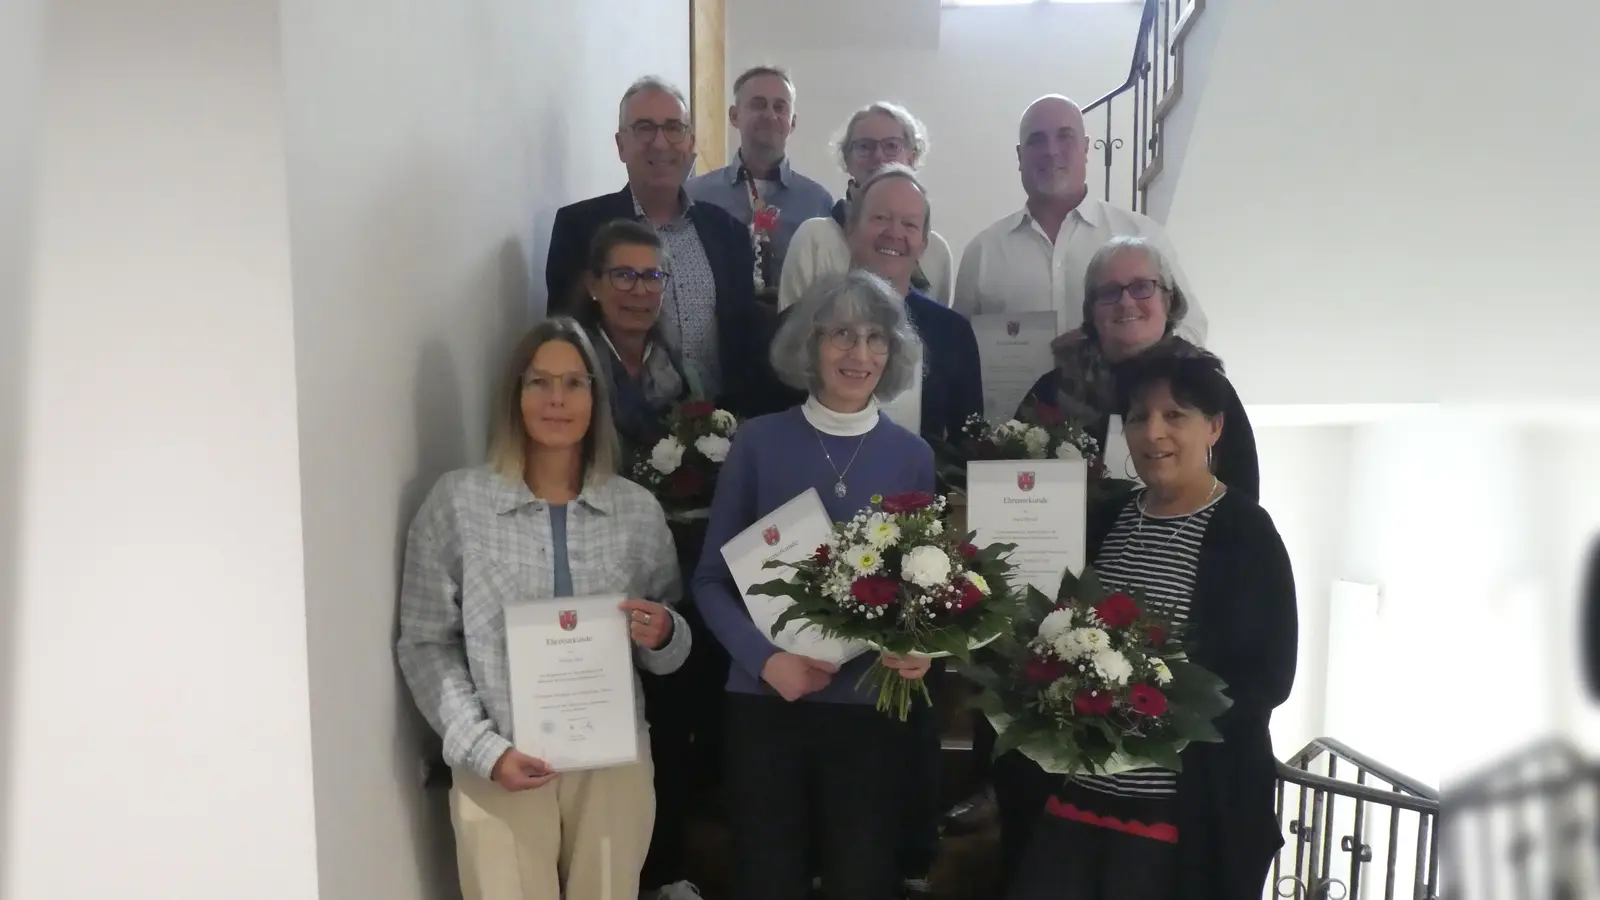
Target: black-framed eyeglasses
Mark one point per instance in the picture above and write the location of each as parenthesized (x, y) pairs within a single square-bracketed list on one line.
[(645, 130), (845, 339), (623, 278), (866, 146), (548, 384), (1138, 289)]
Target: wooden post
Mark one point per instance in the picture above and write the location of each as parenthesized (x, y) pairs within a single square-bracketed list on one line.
[(708, 74)]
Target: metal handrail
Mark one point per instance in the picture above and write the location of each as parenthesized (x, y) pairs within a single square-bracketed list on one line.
[(1141, 55), (1339, 750), (1355, 791)]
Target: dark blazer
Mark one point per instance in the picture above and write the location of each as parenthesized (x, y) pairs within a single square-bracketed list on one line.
[(1590, 632), (1244, 626), (1237, 465), (952, 378), (728, 250)]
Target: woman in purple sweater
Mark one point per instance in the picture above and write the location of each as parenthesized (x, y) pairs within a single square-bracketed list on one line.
[(809, 757)]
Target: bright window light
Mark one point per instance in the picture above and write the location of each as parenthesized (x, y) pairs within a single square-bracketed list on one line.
[(1023, 2)]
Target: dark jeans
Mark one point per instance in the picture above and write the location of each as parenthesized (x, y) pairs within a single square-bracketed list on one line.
[(919, 843), (798, 772), (1069, 860), (684, 710), (1021, 789)]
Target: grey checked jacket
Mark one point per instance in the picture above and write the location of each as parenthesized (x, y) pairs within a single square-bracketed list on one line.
[(481, 539)]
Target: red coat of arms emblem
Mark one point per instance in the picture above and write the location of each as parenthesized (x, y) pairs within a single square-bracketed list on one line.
[(1013, 328), (770, 535), (1025, 480), (569, 619)]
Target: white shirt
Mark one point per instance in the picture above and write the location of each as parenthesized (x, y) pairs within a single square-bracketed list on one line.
[(819, 248), (1012, 266)]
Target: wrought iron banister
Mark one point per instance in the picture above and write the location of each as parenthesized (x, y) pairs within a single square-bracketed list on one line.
[(1153, 76), (1380, 807)]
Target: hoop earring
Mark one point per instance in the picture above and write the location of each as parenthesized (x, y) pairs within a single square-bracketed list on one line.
[(1127, 463)]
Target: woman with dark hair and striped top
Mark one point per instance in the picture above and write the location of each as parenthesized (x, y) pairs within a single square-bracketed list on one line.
[(1210, 558)]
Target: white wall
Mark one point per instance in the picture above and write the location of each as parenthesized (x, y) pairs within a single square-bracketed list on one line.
[(427, 154), (970, 88), (1368, 181), (160, 737)]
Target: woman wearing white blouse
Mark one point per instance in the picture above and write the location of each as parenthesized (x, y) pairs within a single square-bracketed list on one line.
[(877, 135)]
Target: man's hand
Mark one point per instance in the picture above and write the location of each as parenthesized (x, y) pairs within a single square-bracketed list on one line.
[(910, 667), (649, 623), (517, 771), (794, 676)]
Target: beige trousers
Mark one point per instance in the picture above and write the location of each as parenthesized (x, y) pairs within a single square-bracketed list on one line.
[(583, 836)]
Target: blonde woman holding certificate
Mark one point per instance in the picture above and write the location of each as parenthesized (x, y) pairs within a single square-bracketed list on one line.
[(546, 518)]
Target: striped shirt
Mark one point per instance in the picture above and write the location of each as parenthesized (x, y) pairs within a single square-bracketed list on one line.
[(1157, 555)]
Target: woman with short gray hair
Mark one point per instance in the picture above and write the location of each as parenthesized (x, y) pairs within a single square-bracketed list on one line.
[(808, 753), (879, 134)]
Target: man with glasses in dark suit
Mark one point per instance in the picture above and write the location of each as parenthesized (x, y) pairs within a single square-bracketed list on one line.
[(708, 309)]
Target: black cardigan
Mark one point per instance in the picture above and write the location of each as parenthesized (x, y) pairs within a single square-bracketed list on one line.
[(1244, 626)]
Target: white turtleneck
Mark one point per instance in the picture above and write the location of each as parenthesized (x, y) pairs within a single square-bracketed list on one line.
[(840, 424)]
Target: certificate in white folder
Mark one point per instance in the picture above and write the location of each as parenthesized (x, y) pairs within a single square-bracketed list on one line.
[(571, 668), (790, 533)]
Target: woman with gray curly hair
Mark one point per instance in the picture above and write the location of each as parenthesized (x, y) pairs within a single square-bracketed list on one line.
[(808, 753), (877, 135)]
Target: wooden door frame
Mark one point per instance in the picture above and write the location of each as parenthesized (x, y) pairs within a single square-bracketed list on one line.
[(708, 77)]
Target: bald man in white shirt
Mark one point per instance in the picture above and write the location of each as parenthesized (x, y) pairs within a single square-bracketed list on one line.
[(1034, 260)]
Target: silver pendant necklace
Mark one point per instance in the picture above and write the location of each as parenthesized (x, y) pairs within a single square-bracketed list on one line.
[(839, 487), (1138, 528)]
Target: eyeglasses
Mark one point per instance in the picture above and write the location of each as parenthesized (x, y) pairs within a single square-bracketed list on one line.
[(845, 339), (1138, 289), (645, 131), (546, 384), (867, 146), (624, 278)]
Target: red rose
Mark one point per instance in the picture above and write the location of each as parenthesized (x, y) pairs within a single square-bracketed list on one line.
[(1147, 700), (697, 409), (1093, 703), (967, 596), (1156, 635), (904, 503), (875, 590), (686, 483), (1044, 670), (1117, 611), (822, 556), (765, 221), (966, 550)]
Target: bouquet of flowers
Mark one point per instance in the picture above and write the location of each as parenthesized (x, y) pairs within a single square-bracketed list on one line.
[(1040, 431), (898, 578), (681, 469), (1095, 683)]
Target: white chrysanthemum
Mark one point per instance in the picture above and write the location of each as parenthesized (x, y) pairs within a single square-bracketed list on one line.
[(1080, 642), (978, 581), (1037, 440), (714, 447), (1054, 625), (724, 422), (1068, 450), (865, 560), (881, 530), (1112, 666), (1010, 428), (666, 456), (935, 528), (1163, 674), (926, 567)]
